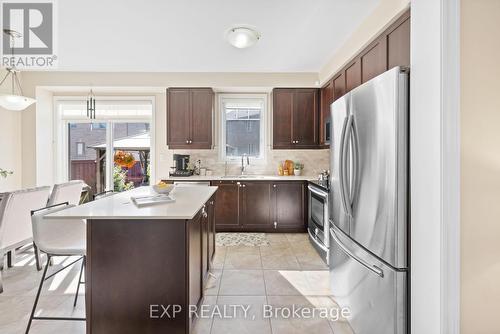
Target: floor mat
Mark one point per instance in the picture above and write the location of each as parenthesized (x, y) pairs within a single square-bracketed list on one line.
[(241, 239)]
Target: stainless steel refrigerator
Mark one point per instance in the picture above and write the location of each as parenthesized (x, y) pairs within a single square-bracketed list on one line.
[(369, 204)]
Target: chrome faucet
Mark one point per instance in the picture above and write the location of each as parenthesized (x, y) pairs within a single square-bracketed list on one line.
[(243, 163)]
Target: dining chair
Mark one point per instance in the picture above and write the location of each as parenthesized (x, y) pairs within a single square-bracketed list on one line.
[(103, 194), (15, 221), (58, 237), (66, 192)]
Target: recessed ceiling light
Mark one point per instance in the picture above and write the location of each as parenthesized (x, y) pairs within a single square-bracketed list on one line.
[(242, 37)]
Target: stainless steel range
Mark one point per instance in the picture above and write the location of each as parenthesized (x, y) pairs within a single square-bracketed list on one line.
[(318, 225)]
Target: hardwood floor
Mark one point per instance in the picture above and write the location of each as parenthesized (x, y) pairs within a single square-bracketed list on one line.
[(286, 272)]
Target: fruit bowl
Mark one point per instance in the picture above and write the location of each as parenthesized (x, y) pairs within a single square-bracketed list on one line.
[(163, 188)]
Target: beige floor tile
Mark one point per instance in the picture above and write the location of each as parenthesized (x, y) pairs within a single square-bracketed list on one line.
[(285, 282), (309, 258), (319, 282), (250, 322), (288, 324), (242, 250), (242, 283), (219, 257), (295, 238), (203, 324), (213, 283), (242, 260), (276, 239), (279, 257)]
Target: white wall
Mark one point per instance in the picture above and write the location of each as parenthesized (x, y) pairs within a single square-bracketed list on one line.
[(10, 145), (434, 159), (10, 149), (480, 215)]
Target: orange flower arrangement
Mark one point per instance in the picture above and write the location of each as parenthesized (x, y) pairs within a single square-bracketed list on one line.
[(124, 159)]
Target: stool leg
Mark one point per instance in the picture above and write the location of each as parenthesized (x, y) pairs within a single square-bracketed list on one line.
[(1, 269), (79, 280), (37, 257), (10, 258), (38, 295)]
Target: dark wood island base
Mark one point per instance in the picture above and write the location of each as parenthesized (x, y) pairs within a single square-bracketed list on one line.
[(142, 274)]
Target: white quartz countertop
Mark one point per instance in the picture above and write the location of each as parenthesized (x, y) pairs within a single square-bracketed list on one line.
[(247, 177), (188, 201)]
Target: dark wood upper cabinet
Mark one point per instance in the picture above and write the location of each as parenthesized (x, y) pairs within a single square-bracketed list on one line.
[(338, 86), (289, 202), (189, 118), (305, 118), (255, 205), (295, 118), (398, 43), (374, 60), (227, 203), (389, 49), (353, 75), (282, 117), (178, 114), (326, 99)]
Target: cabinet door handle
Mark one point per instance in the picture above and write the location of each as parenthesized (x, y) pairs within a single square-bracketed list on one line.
[(187, 141), (275, 225), (274, 186)]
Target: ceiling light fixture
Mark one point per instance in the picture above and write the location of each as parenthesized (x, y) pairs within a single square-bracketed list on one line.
[(14, 101), (242, 37)]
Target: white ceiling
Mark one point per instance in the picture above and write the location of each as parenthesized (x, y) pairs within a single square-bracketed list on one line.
[(188, 35)]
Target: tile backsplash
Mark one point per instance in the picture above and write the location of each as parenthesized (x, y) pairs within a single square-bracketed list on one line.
[(314, 161)]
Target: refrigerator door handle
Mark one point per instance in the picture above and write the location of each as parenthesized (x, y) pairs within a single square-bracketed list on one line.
[(373, 268), (346, 197), (355, 162), (341, 166)]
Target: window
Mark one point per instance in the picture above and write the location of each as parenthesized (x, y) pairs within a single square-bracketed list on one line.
[(80, 147), (243, 126), (112, 152)]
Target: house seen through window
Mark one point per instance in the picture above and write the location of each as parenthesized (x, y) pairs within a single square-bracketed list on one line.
[(242, 127)]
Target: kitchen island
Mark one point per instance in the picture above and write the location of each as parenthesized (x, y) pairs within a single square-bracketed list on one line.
[(146, 266)]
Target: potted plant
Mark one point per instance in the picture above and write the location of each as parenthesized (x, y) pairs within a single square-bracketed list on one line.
[(4, 173), (297, 168)]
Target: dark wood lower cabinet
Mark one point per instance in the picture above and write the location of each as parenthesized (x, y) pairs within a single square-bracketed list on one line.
[(226, 210), (255, 206), (211, 231), (138, 267), (260, 206), (289, 199)]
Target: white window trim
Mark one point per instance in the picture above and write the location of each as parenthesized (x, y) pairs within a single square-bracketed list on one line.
[(263, 127), (61, 152)]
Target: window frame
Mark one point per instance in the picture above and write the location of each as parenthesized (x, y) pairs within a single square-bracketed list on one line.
[(61, 149), (222, 97)]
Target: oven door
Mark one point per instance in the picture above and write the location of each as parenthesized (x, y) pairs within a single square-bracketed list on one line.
[(318, 216)]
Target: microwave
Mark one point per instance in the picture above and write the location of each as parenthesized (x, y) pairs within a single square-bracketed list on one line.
[(328, 129)]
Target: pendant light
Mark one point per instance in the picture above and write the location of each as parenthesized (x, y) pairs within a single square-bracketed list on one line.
[(91, 105), (14, 101)]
